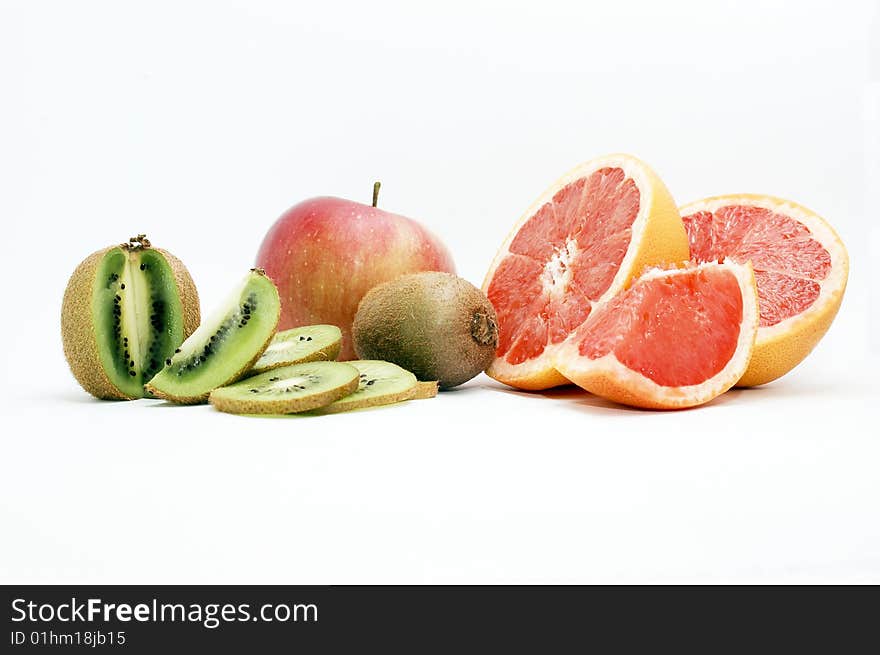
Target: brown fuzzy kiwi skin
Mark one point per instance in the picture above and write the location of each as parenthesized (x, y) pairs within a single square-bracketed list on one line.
[(436, 325), (78, 334), (426, 389), (241, 374), (77, 331), (282, 406)]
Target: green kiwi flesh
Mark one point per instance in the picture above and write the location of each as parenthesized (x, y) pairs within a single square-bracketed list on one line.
[(137, 319), (288, 389), (224, 347), (379, 383), (311, 343)]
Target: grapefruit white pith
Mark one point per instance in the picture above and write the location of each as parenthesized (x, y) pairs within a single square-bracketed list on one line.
[(801, 268), (676, 338), (577, 246)]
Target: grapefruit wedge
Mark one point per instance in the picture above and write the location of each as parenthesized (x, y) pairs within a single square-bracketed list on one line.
[(675, 338), (801, 267), (578, 245)]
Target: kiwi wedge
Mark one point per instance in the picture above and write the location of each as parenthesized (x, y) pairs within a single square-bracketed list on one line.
[(223, 348), (288, 390), (379, 383), (126, 309), (311, 343)]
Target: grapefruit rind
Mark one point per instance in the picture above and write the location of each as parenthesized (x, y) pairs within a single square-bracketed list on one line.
[(658, 237), (608, 378), (781, 347)]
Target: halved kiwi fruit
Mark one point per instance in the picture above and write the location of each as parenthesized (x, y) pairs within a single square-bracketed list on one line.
[(288, 390), (224, 347), (311, 343), (380, 383), (125, 310)]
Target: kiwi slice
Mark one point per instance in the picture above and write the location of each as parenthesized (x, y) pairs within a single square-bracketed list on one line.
[(380, 383), (311, 343), (288, 390), (426, 390), (224, 347), (125, 310)]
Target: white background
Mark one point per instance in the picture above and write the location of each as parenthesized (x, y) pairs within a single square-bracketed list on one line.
[(199, 123)]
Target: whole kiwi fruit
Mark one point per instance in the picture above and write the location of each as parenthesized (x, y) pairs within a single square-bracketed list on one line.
[(126, 308), (436, 325)]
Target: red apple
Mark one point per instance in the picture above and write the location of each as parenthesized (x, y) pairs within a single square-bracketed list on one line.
[(325, 253)]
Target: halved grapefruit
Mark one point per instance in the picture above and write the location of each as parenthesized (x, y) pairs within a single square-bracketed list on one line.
[(801, 267), (675, 338), (578, 245)]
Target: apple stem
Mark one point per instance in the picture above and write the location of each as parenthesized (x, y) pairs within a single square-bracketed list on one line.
[(376, 186)]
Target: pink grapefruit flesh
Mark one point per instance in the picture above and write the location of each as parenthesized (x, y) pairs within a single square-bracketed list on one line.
[(577, 246), (788, 262), (677, 330), (675, 338), (800, 269), (562, 260)]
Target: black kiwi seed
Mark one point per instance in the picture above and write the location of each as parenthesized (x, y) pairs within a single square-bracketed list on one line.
[(122, 286), (143, 267)]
